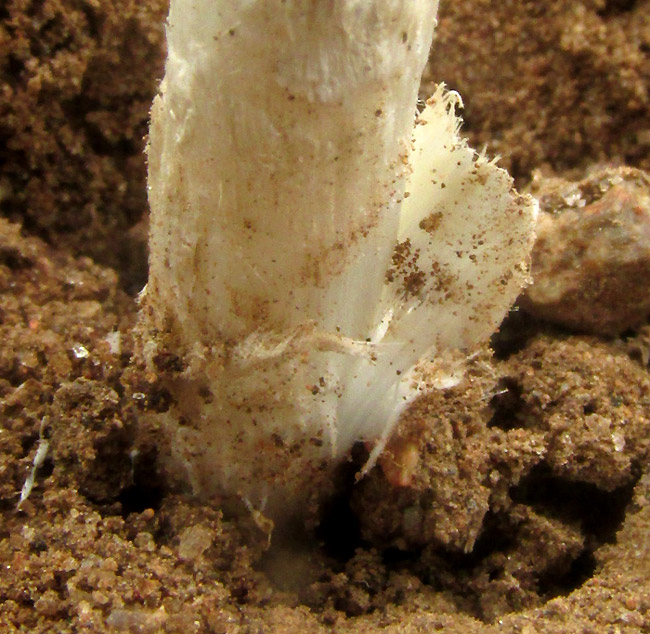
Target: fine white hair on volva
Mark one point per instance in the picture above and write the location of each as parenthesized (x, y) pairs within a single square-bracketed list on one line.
[(320, 254)]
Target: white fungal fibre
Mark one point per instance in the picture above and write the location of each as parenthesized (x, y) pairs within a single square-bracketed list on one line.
[(315, 264)]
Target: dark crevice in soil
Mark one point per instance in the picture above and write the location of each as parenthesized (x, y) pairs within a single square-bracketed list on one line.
[(147, 490), (77, 110), (495, 537), (600, 513), (14, 67), (13, 259), (616, 7), (455, 569), (581, 569), (27, 442), (513, 334), (506, 405), (138, 498), (45, 469), (338, 530), (93, 21), (501, 553)]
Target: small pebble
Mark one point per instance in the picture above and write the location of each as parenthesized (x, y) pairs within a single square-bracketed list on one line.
[(591, 261), (194, 541)]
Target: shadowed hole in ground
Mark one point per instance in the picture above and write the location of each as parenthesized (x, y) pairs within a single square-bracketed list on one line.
[(514, 333), (600, 513), (616, 7), (506, 404), (595, 514)]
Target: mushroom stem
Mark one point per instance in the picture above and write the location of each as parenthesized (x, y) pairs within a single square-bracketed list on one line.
[(286, 308)]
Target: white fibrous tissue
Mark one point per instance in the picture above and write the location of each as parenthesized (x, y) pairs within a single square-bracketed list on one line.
[(321, 254)]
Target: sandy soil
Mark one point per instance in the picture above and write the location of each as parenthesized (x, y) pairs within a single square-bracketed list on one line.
[(527, 502), (76, 85)]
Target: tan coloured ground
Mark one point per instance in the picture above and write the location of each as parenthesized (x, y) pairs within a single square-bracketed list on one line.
[(528, 500)]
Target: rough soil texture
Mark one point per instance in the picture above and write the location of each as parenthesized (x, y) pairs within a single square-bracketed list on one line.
[(517, 502), (558, 84), (76, 84)]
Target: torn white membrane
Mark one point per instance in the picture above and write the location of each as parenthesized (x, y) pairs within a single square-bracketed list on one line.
[(315, 264)]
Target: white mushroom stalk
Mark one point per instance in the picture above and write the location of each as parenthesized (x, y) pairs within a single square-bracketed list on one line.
[(315, 263)]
